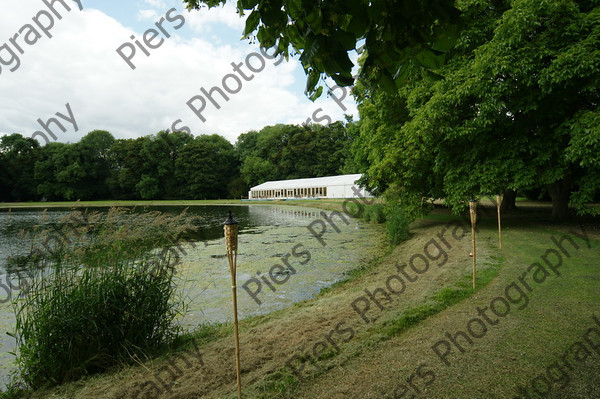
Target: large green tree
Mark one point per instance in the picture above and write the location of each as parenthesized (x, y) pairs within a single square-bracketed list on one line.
[(94, 149), (60, 173), (160, 154), (127, 167), (206, 167), (284, 152), (515, 108), (18, 155)]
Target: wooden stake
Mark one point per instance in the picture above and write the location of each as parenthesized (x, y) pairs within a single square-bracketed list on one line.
[(473, 213), (231, 242), (498, 203)]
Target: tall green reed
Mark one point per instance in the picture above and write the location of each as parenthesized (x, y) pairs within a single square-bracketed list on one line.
[(100, 294)]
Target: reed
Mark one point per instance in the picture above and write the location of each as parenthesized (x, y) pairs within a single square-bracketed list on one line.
[(100, 294)]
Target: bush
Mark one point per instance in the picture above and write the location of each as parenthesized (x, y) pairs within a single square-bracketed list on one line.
[(374, 213), (355, 209), (107, 299), (397, 222)]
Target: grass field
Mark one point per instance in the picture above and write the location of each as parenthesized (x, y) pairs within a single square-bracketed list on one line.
[(335, 346)]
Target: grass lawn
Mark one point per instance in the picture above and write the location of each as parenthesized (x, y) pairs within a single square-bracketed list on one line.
[(354, 341)]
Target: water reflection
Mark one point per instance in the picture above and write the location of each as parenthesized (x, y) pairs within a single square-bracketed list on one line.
[(265, 212)]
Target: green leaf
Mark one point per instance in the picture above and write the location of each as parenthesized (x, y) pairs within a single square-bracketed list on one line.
[(315, 20), (435, 77), (445, 38), (247, 4), (252, 23), (375, 10), (271, 15), (294, 9), (347, 40), (265, 37), (401, 75), (358, 24), (316, 94), (312, 50), (294, 36), (429, 59), (312, 80), (387, 83), (343, 80)]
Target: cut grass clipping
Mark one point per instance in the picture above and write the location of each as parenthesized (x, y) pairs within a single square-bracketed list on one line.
[(282, 383), (441, 300)]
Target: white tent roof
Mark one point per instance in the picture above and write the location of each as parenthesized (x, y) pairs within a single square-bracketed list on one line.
[(329, 181)]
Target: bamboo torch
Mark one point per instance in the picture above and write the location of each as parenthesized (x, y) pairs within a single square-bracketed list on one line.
[(473, 213), (498, 202), (231, 242)]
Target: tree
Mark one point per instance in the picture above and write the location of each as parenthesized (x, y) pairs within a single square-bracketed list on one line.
[(391, 33), (94, 150), (519, 111), (237, 188), (160, 154), (260, 153), (127, 168), (284, 152), (18, 155), (148, 188), (329, 148), (60, 174), (205, 167), (256, 170)]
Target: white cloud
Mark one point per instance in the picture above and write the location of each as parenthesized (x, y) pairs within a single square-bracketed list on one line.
[(143, 15), (204, 20), (79, 65), (154, 3)]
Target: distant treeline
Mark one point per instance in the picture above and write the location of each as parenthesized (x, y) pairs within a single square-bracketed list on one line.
[(170, 165)]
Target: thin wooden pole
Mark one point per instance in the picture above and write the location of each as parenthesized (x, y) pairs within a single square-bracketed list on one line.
[(231, 242), (498, 203), (233, 262), (473, 214)]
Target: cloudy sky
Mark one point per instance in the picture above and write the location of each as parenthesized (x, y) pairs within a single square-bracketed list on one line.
[(79, 65)]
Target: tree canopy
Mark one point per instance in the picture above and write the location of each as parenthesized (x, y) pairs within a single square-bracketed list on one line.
[(167, 165), (390, 33), (516, 107), (283, 152)]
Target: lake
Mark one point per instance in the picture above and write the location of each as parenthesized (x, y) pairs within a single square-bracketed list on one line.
[(269, 235)]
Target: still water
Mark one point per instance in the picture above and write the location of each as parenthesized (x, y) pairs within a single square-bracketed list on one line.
[(269, 235)]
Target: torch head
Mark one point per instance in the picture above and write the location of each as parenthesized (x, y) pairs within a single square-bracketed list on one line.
[(231, 233), (473, 210)]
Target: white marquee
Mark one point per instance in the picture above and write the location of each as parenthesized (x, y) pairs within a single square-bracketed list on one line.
[(316, 187)]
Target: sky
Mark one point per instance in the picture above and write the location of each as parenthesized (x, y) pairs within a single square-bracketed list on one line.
[(66, 65)]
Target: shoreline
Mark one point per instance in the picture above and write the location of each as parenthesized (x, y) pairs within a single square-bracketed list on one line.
[(5, 206)]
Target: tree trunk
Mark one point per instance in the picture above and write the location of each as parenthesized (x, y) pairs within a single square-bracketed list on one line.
[(508, 201), (559, 192)]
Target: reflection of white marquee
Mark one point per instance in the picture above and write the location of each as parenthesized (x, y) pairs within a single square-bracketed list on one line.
[(317, 187), (290, 212)]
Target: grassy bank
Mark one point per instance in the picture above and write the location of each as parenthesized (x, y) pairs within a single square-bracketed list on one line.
[(324, 348)]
